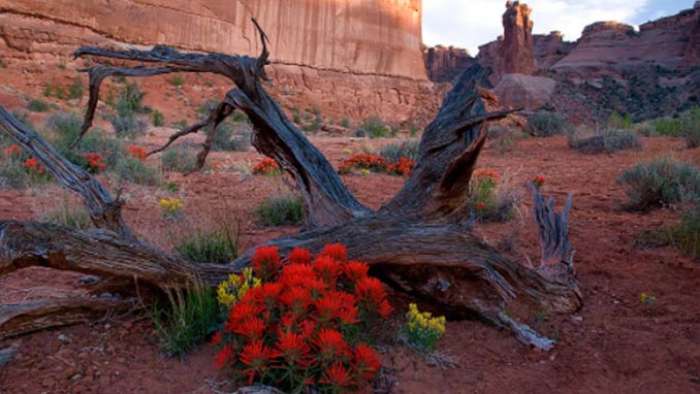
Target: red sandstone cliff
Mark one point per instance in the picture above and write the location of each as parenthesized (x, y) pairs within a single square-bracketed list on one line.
[(445, 63), (366, 51)]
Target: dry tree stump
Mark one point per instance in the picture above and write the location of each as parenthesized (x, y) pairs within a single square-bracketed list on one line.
[(420, 242)]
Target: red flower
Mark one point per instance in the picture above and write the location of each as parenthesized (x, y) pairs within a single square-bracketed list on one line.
[(266, 166), (299, 256), (241, 311), (385, 309), (297, 299), (331, 344), (337, 376), (538, 181), (292, 347), (95, 163), (32, 164), (480, 206), (223, 356), (256, 356), (366, 361), (372, 290), (266, 262), (217, 338), (328, 307), (355, 270), (307, 328), (328, 269), (402, 167), (338, 252), (137, 152), (12, 150), (252, 328)]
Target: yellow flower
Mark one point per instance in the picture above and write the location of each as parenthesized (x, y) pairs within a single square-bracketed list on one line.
[(236, 286)]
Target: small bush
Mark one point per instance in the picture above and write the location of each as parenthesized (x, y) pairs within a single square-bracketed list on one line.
[(177, 81), (13, 175), (38, 106), (345, 122), (620, 122), (179, 159), (76, 90), (187, 321), (128, 105), (659, 183), (218, 247), (69, 216), (546, 124), (490, 198), (668, 127), (157, 118), (231, 138), (66, 128), (374, 127), (607, 141), (422, 330), (393, 152), (281, 211), (127, 125), (686, 236), (130, 169), (691, 127)]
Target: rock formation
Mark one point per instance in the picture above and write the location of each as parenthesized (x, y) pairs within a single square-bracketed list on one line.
[(550, 49), (517, 48), (445, 63), (366, 49)]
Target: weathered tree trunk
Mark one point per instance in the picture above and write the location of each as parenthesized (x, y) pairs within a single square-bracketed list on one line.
[(420, 242)]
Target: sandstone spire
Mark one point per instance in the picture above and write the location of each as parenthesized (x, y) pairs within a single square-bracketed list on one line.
[(516, 53)]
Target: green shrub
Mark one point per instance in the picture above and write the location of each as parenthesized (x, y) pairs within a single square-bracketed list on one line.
[(620, 122), (177, 80), (76, 90), (374, 127), (659, 183), (668, 127), (231, 137), (281, 211), (38, 106), (157, 118), (607, 141), (686, 236), (345, 122), (66, 129), (188, 319), (179, 159), (128, 105), (393, 152), (69, 216), (546, 124), (13, 175), (129, 169), (218, 247), (691, 127)]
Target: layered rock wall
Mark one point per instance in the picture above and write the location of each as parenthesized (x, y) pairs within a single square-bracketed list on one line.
[(445, 63), (375, 43)]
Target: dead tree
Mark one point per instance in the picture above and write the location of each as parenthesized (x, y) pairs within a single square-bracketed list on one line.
[(420, 242)]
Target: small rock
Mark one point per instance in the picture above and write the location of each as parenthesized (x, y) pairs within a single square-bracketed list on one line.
[(88, 280), (63, 338), (577, 319)]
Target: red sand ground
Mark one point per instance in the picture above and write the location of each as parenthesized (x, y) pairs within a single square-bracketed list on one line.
[(615, 344)]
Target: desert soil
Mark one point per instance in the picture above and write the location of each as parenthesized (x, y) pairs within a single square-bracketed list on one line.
[(615, 344)]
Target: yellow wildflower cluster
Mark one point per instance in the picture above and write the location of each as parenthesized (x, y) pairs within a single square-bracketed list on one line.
[(170, 206), (234, 288), (424, 320), (423, 330)]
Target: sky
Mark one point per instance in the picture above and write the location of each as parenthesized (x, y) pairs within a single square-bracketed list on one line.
[(470, 23)]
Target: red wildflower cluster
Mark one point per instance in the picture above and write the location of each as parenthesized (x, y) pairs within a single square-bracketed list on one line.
[(375, 163), (32, 165), (293, 331), (12, 151), (266, 166), (486, 174), (137, 152), (538, 181), (95, 163)]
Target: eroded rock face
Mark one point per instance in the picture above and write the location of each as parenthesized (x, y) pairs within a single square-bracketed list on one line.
[(550, 49), (376, 39), (445, 63)]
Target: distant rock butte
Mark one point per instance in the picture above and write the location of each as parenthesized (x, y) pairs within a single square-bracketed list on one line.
[(445, 63), (337, 42)]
